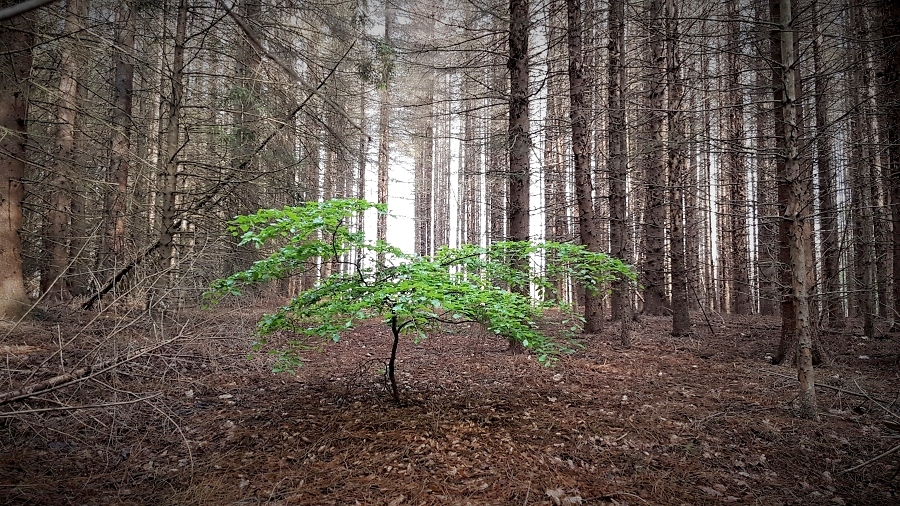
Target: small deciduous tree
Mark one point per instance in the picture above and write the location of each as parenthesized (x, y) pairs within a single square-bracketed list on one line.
[(410, 293)]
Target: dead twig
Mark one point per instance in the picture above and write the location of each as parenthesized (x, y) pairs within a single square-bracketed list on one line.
[(876, 401), (861, 393), (78, 375), (11, 414), (870, 461)]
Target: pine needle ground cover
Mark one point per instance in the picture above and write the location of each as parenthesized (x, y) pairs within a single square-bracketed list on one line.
[(668, 421)]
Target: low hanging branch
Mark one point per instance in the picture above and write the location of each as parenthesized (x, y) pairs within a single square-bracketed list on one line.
[(78, 375)]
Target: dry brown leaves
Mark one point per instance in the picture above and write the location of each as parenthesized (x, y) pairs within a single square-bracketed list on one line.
[(667, 421)]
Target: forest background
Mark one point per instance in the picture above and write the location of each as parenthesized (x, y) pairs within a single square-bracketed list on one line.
[(743, 156), (686, 139)]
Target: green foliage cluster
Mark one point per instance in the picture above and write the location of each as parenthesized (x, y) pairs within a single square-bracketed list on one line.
[(411, 293)]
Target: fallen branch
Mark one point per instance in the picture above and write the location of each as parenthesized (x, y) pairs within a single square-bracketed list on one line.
[(77, 376), (870, 461), (89, 304), (830, 387), (71, 408)]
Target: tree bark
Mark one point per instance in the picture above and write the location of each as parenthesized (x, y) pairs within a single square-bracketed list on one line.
[(890, 11), (120, 141), (618, 156), (681, 319), (654, 279), (169, 176), (16, 37), (54, 283), (832, 300), (518, 132), (578, 112), (796, 211)]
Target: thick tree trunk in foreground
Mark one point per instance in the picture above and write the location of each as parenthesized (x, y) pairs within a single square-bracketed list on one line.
[(796, 212), (518, 138), (16, 39), (787, 344), (587, 222)]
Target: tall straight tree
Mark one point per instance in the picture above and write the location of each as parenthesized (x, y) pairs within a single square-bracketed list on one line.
[(654, 278), (832, 305), (618, 154), (518, 132), (57, 232), (578, 113), (797, 212), (767, 221), (861, 161), (739, 275), (890, 31), (681, 319), (386, 51), (246, 103), (17, 39), (120, 138), (169, 175)]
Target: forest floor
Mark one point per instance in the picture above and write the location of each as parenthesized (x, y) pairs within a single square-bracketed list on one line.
[(699, 420)]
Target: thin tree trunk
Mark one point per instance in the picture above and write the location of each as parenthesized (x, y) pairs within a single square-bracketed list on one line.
[(170, 163), (441, 229), (833, 306), (555, 165), (472, 168), (788, 315), (384, 141), (681, 319), (861, 188), (618, 153), (247, 99), (16, 37), (739, 274), (361, 157), (424, 207), (767, 221), (120, 143)]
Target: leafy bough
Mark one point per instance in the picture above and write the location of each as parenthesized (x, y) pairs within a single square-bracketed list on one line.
[(411, 294)]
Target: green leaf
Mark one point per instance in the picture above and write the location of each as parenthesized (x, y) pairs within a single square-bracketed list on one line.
[(470, 283)]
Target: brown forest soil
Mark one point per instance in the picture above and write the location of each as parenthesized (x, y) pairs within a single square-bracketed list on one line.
[(701, 420)]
